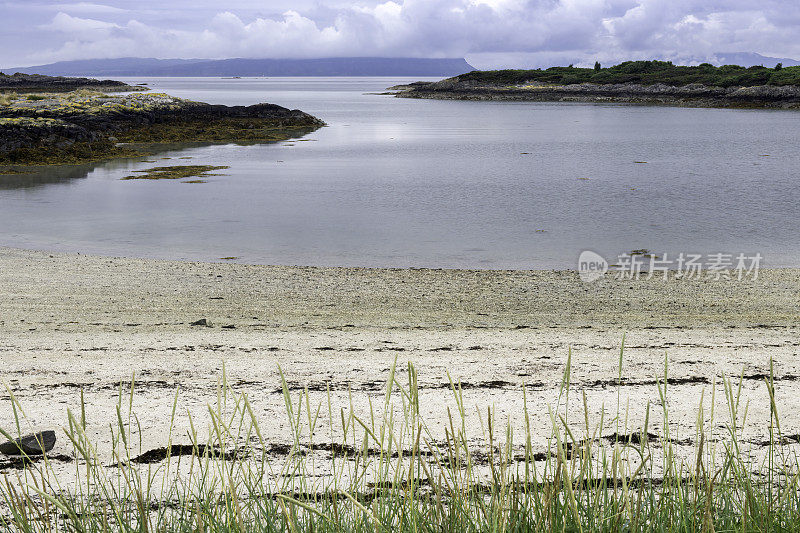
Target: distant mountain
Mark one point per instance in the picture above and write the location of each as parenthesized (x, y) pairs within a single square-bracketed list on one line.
[(334, 66), (125, 66), (749, 59)]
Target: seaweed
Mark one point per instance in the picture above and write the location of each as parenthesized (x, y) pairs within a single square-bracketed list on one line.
[(79, 152), (230, 129), (176, 172)]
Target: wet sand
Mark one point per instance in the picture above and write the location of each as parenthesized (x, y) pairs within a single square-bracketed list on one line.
[(70, 322)]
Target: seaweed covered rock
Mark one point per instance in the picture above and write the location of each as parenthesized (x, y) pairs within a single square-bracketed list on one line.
[(85, 125)]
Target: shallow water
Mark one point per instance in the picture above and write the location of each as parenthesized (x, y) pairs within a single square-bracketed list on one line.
[(400, 182)]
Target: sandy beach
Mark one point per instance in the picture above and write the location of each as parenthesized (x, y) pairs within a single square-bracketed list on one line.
[(70, 322)]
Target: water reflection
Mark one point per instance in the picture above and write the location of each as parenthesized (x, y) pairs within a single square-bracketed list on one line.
[(39, 176), (46, 175), (397, 182)]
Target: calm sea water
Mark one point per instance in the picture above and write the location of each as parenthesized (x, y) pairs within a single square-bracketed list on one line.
[(398, 182)]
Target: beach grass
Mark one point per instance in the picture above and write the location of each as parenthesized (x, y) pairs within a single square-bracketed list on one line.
[(388, 470)]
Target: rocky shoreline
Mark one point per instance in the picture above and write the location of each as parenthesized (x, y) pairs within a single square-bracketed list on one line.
[(691, 95), (31, 83), (80, 126)]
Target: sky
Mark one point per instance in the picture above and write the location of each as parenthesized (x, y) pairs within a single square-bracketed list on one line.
[(489, 33)]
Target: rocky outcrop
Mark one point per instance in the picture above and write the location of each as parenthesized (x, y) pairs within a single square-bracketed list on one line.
[(39, 83), (413, 85), (20, 133), (34, 130), (692, 95)]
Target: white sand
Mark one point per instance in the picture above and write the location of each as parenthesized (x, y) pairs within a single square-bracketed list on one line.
[(72, 321)]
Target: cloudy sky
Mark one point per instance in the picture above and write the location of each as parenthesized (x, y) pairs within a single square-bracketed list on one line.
[(489, 33)]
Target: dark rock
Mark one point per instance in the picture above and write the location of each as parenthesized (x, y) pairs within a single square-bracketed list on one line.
[(691, 95), (34, 444), (201, 322), (38, 82), (407, 86)]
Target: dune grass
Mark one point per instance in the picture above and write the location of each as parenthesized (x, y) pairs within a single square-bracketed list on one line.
[(390, 471)]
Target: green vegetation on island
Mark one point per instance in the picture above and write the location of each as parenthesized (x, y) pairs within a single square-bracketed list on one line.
[(631, 82), (645, 73)]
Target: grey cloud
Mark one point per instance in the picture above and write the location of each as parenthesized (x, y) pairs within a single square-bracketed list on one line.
[(529, 31)]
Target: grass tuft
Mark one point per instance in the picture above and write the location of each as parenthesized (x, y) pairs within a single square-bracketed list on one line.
[(388, 470)]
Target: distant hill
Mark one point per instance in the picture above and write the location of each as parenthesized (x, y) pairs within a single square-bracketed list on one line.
[(334, 66), (125, 66), (750, 59)]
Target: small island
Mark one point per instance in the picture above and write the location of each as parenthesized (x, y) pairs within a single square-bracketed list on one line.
[(34, 83), (43, 127), (631, 82)]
